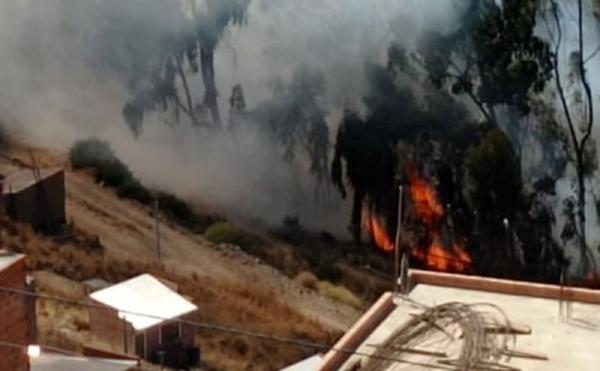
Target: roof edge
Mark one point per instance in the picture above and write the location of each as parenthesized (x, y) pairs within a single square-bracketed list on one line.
[(358, 333), (505, 286)]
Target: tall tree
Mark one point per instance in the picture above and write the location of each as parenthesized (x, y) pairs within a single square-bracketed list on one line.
[(494, 57), (211, 18), (177, 57), (578, 114)]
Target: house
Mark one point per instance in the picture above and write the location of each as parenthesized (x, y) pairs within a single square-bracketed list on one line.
[(156, 335), (36, 198), (449, 320), (14, 323)]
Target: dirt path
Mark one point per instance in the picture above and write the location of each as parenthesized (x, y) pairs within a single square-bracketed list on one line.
[(126, 230)]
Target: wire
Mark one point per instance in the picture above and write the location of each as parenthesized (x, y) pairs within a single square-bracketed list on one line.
[(209, 326)]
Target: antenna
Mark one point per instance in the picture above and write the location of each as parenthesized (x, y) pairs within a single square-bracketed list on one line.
[(157, 227)]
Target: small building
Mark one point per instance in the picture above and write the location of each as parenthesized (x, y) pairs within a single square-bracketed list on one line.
[(536, 327), (14, 309), (36, 198), (156, 335)]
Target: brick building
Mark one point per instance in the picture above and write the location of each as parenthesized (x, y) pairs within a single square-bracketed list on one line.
[(14, 323), (156, 337)]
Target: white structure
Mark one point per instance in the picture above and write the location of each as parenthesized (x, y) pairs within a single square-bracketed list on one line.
[(59, 362), (144, 294)]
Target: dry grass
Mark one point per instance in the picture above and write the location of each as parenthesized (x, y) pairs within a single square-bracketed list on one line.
[(307, 280), (251, 306)]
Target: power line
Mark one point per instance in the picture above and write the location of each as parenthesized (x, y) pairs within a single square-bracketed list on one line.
[(214, 327)]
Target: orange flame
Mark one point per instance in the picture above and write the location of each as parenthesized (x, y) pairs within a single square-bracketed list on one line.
[(380, 237), (426, 205), (428, 210)]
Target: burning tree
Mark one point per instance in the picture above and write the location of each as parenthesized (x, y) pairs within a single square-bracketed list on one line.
[(470, 207)]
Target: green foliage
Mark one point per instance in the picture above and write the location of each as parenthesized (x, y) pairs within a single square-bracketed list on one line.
[(494, 171), (495, 57), (223, 232), (295, 118), (97, 155)]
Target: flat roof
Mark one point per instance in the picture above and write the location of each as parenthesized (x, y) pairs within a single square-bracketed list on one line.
[(8, 258), (22, 179), (59, 362), (144, 294), (544, 340)]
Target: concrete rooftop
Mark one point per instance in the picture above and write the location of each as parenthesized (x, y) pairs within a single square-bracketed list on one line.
[(572, 344)]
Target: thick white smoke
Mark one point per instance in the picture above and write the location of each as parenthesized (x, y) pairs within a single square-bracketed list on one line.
[(63, 68)]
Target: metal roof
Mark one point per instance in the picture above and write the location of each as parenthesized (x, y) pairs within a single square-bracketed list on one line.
[(7, 258), (23, 179), (144, 294), (59, 362)]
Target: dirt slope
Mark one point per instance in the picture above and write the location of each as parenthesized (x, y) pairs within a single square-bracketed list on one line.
[(126, 229)]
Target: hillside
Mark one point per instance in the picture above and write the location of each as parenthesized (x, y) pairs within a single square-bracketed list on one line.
[(228, 285)]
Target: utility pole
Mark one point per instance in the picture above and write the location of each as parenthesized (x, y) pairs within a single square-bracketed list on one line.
[(397, 272), (157, 228)]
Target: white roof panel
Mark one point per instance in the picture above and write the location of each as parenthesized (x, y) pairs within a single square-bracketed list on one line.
[(59, 362), (144, 294)]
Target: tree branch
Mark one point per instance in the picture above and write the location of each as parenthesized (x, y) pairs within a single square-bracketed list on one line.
[(586, 85), (559, 87)]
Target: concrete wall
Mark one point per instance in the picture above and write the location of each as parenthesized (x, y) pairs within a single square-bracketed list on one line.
[(14, 324), (41, 205), (107, 327)]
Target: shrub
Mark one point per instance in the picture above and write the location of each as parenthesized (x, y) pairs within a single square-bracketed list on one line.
[(223, 232), (339, 293), (97, 155), (307, 280)]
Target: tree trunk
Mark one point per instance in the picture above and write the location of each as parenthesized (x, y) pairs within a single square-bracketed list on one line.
[(356, 222), (585, 263), (210, 88)]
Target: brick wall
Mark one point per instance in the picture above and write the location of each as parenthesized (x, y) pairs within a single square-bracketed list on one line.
[(107, 327), (14, 324)]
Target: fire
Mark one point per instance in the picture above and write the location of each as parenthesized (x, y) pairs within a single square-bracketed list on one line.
[(427, 208), (439, 258), (380, 237), (426, 205)]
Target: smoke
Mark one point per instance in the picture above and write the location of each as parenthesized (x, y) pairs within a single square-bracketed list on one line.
[(64, 67), (565, 187)]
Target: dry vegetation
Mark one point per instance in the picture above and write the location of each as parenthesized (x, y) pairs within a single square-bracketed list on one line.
[(252, 306)]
